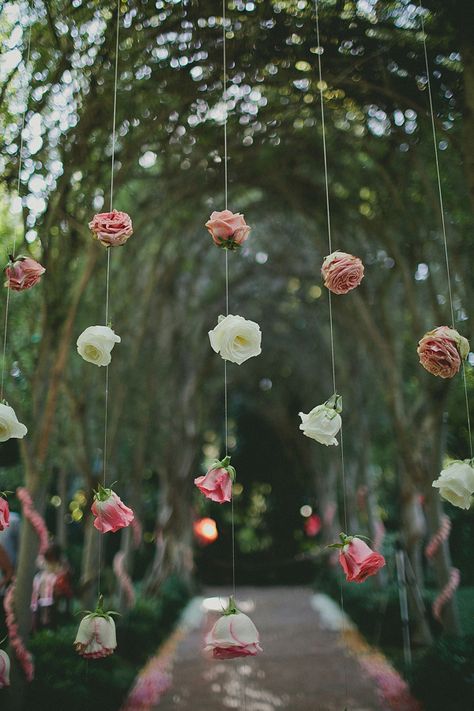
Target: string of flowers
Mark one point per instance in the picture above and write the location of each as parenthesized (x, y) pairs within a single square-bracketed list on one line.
[(436, 541), (124, 578), (34, 518), (21, 652)]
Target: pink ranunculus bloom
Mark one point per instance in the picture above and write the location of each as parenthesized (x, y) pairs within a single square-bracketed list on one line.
[(110, 512), (216, 485), (112, 228), (233, 635), (358, 561), (4, 514), (96, 636), (23, 273), (342, 272), (227, 229), (4, 669), (442, 350)]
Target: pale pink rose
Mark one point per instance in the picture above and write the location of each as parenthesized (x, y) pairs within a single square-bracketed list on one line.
[(216, 485), (342, 272), (233, 635), (112, 228), (110, 511), (442, 350), (227, 229), (96, 636), (23, 273), (358, 561), (4, 669), (4, 514)]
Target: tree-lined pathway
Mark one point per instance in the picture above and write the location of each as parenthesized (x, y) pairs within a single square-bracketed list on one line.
[(304, 666)]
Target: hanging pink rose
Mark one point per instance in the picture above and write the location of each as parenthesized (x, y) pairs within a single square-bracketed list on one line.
[(110, 511), (4, 514), (233, 635), (96, 636), (227, 229), (216, 485), (4, 669), (442, 350), (112, 228), (342, 272), (23, 273), (357, 560)]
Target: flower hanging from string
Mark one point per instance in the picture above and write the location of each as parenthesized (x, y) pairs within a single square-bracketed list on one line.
[(4, 669), (112, 229), (233, 635), (357, 560), (442, 351), (323, 422), (10, 427), (4, 512), (236, 339), (96, 638), (228, 230), (456, 483), (95, 344), (110, 512), (342, 272), (216, 485), (22, 273)]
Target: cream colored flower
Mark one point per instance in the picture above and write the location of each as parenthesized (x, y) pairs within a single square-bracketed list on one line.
[(9, 425), (322, 424), (96, 637), (236, 338), (95, 344), (456, 483)]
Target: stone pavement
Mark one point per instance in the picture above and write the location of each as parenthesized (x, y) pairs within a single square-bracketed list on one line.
[(304, 666)]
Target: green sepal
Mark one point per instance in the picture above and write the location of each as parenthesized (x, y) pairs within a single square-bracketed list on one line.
[(225, 464), (335, 403), (5, 496), (99, 610), (103, 493), (231, 608)]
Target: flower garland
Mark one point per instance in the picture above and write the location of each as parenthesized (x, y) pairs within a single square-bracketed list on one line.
[(433, 546), (35, 519), (21, 653), (124, 578)]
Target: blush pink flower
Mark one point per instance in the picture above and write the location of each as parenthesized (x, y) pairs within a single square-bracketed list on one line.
[(216, 485), (110, 512), (228, 230), (96, 637), (112, 228), (233, 635), (23, 273), (442, 350), (342, 272), (4, 514), (357, 560), (4, 669)]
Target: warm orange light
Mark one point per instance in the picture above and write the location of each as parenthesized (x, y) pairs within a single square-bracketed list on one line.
[(205, 530)]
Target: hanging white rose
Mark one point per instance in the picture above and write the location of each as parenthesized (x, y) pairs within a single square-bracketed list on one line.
[(236, 338), (456, 483), (10, 427), (4, 669), (96, 637), (95, 344), (323, 422)]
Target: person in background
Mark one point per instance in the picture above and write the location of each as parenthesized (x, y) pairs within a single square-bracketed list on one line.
[(51, 589)]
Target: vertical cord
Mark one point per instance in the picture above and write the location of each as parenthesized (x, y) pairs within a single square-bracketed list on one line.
[(442, 214), (321, 85), (18, 186), (107, 279), (226, 397)]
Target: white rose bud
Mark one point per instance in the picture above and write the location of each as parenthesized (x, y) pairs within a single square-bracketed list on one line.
[(236, 338), (4, 669), (9, 425), (95, 344), (96, 637), (322, 424), (456, 483)]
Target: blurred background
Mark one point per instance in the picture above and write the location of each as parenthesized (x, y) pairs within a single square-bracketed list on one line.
[(167, 290)]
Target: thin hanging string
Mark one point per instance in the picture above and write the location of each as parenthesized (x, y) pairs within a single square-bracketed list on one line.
[(321, 85), (226, 191), (18, 187), (107, 279), (442, 214)]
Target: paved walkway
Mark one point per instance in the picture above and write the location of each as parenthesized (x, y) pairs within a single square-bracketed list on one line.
[(303, 666)]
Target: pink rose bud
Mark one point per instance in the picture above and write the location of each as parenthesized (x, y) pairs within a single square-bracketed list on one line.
[(96, 636), (112, 228), (442, 350), (4, 669), (23, 273), (110, 512), (233, 635), (228, 230), (4, 514), (342, 272), (357, 560), (216, 485)]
